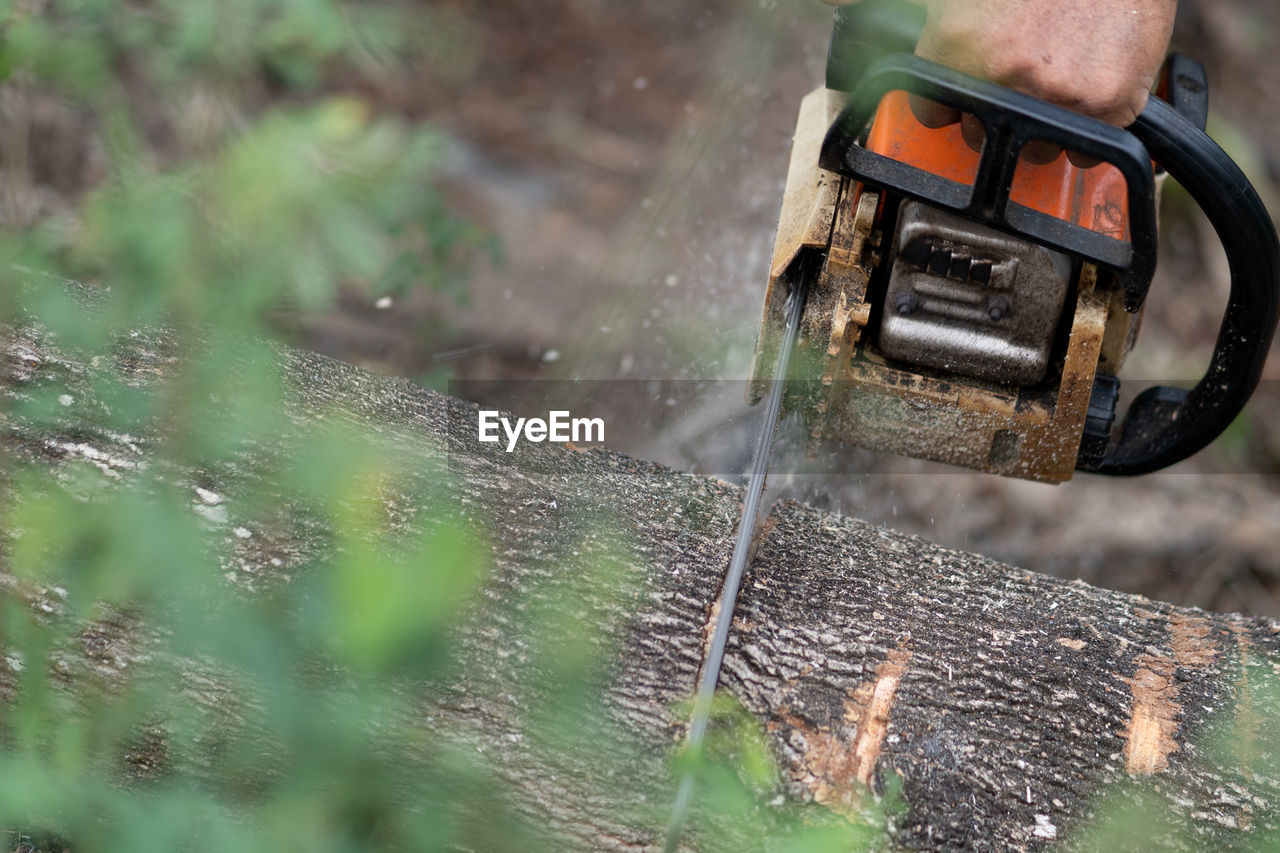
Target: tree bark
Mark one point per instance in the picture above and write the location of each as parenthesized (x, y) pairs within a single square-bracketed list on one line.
[(1013, 707)]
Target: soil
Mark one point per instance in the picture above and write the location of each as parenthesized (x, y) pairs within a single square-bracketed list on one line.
[(631, 156)]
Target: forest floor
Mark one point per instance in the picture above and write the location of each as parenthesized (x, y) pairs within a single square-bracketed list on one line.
[(631, 159)]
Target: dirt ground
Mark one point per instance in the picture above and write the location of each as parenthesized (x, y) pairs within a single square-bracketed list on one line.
[(631, 156)]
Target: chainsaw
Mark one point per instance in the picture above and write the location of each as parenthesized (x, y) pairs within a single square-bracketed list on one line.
[(972, 305), (948, 296)]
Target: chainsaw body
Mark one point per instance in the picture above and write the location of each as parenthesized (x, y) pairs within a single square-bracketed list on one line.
[(970, 306)]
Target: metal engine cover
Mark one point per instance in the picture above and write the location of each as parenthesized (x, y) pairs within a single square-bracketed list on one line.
[(970, 300)]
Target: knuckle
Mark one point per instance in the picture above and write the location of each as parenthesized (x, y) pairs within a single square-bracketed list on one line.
[(1106, 94), (955, 41)]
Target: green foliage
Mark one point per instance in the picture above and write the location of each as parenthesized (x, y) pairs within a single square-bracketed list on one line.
[(739, 796), (74, 44), (1239, 743), (296, 206), (234, 157), (204, 717), (220, 629)]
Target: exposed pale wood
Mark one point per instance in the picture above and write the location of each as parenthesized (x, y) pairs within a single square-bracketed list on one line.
[(1009, 703)]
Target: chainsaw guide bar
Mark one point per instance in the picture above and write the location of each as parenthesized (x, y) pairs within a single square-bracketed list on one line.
[(750, 526)]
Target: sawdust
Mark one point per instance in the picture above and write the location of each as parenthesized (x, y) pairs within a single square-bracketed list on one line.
[(1153, 723), (708, 634), (872, 717), (839, 763), (1188, 637)]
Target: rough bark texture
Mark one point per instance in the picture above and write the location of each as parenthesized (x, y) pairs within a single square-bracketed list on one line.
[(1010, 704)]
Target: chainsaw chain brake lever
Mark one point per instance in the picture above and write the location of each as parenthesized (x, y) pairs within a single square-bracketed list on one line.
[(1164, 424)]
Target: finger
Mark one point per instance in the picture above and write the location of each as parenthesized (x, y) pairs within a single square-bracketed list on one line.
[(1040, 152), (931, 113), (1082, 161), (975, 135)]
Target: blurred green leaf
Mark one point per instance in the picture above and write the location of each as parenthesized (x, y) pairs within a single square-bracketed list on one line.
[(257, 612)]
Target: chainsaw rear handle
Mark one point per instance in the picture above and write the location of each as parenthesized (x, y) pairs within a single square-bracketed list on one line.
[(1164, 424)]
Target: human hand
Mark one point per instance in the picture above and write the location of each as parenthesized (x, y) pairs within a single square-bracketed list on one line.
[(1096, 57)]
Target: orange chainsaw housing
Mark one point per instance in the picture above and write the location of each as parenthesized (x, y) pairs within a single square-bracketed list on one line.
[(1093, 198), (904, 357), (862, 398)]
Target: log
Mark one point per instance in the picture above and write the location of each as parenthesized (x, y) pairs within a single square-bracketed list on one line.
[(1007, 710)]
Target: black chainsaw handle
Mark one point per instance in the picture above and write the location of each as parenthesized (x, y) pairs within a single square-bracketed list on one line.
[(1164, 424)]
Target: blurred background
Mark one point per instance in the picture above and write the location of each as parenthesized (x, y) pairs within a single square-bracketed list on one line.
[(632, 160), (452, 191), (599, 203)]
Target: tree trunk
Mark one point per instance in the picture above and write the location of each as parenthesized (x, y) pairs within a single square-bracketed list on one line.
[(1013, 707)]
